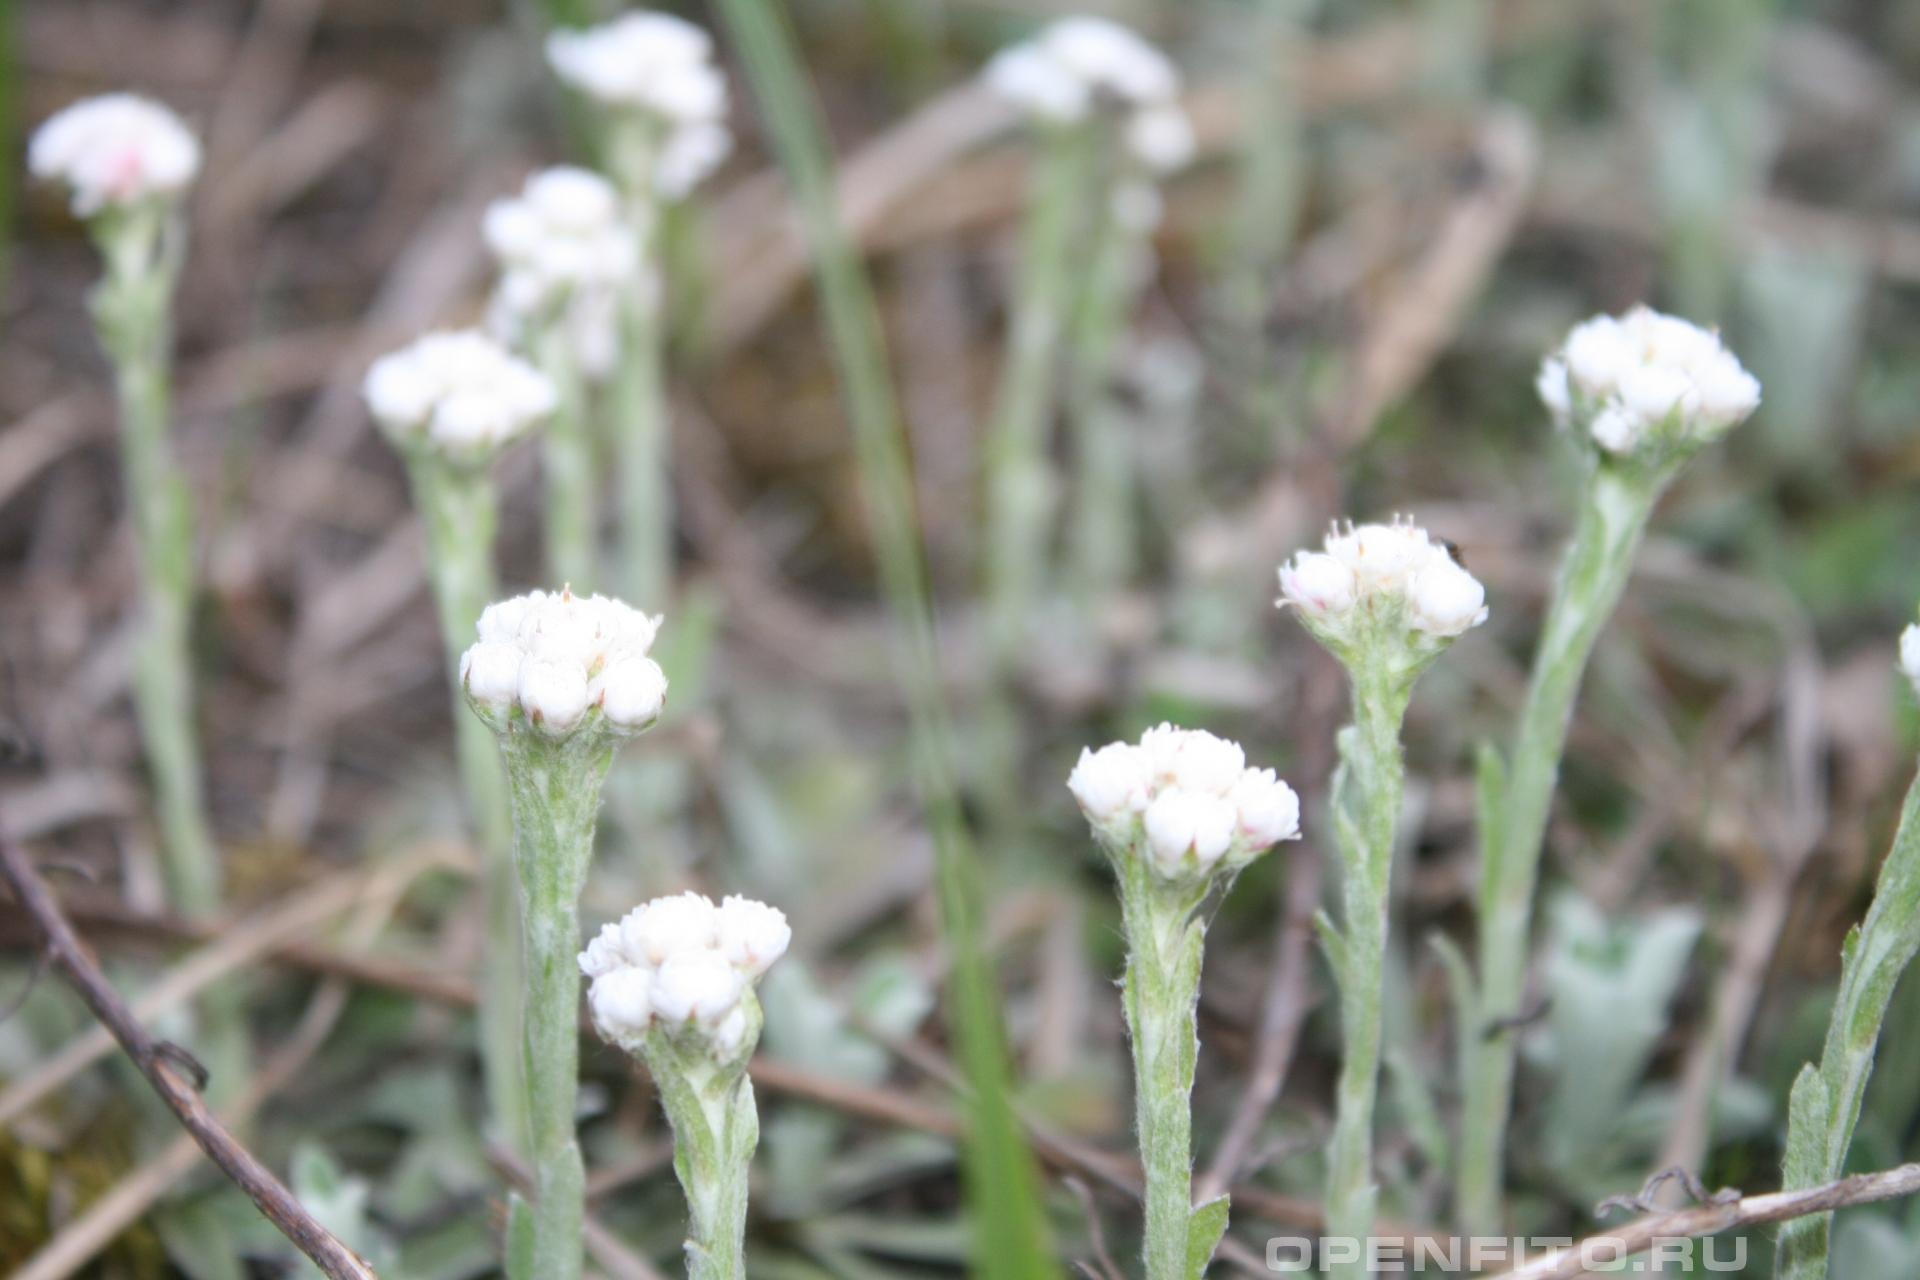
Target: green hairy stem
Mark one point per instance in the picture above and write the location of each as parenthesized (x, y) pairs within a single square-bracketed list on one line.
[(457, 503), (1019, 481), (1613, 515), (555, 788), (1101, 537), (1366, 811), (639, 387), (1161, 995), (567, 457), (715, 1130), (132, 310), (1825, 1103)]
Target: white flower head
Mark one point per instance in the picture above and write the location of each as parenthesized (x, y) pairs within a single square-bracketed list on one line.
[(1910, 655), (1080, 65), (553, 662), (658, 70), (639, 59), (115, 150), (1185, 800), (1394, 583), (685, 968), (458, 392), (566, 254), (1646, 383)]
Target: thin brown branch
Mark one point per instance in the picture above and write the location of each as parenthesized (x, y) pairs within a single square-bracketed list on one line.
[(158, 1064), (1711, 1219)]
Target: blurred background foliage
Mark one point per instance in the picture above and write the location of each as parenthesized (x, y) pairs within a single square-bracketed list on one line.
[(1399, 207)]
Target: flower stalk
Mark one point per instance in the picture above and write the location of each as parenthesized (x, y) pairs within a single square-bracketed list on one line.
[(449, 403), (562, 681), (1178, 816), (457, 503), (1019, 478), (1614, 510), (568, 462), (1825, 1103), (1387, 600), (1641, 394), (673, 985)]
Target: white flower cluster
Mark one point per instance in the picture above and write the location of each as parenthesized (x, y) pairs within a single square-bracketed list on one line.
[(460, 391), (1627, 377), (1393, 566), (565, 256), (114, 150), (682, 964), (1910, 655), (1186, 797), (662, 67), (556, 657), (1078, 65)]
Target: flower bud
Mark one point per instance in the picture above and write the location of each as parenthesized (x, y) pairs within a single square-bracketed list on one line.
[(1446, 600), (1266, 808), (667, 926), (696, 987), (553, 694), (1910, 654), (1188, 824), (1111, 783), (752, 935), (632, 693), (1318, 583), (621, 1001)]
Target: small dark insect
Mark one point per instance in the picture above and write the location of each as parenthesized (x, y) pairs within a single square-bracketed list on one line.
[(1453, 550)]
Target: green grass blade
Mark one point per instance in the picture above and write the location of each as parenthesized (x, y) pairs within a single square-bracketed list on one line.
[(1009, 1225)]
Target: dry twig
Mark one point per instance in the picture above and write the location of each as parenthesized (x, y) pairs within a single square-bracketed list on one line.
[(160, 1063)]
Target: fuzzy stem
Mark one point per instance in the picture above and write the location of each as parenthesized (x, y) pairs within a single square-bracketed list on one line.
[(555, 787), (1019, 482), (567, 445), (639, 392), (1366, 803), (1101, 537), (715, 1130), (131, 309), (1826, 1103), (1161, 994), (1613, 515), (457, 504)]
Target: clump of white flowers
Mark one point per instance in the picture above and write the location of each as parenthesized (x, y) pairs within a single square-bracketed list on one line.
[(1394, 577), (460, 392), (1186, 798), (684, 966), (115, 150), (655, 70), (556, 663), (1910, 655), (1647, 381), (1080, 67), (565, 255)]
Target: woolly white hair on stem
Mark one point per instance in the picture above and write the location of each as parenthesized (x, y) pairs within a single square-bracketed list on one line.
[(114, 150), (1177, 814), (460, 392)]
